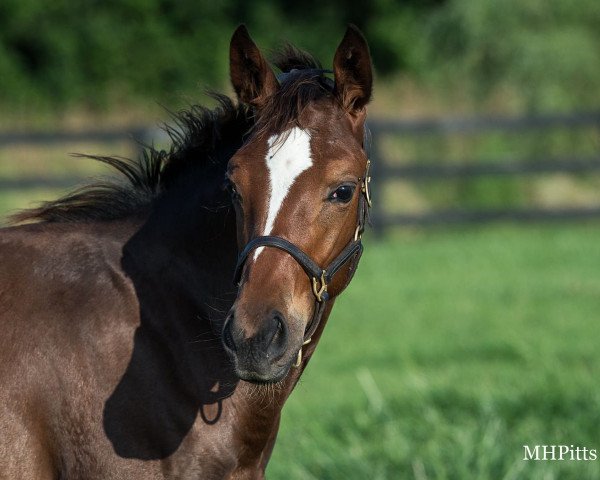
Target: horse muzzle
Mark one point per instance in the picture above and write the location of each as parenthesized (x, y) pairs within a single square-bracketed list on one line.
[(264, 356)]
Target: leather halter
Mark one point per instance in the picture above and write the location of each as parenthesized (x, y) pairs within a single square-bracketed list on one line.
[(320, 277)]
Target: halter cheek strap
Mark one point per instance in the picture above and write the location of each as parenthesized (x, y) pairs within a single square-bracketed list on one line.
[(320, 277)]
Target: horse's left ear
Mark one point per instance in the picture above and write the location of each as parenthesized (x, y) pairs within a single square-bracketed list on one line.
[(252, 78), (353, 71)]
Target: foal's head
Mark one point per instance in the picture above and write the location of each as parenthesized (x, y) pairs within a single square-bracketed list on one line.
[(298, 177)]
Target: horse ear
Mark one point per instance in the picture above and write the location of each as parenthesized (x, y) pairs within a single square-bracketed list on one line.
[(252, 78), (353, 72)]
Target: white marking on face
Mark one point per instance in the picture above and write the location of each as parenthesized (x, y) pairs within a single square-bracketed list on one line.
[(286, 159)]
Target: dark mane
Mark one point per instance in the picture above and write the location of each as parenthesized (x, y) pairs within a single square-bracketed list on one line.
[(195, 138), (199, 137)]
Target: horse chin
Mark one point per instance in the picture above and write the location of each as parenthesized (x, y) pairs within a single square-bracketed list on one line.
[(273, 375)]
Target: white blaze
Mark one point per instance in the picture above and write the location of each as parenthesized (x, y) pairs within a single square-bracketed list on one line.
[(285, 161)]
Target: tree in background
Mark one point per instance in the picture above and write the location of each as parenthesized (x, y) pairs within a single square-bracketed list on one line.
[(96, 53), (547, 52)]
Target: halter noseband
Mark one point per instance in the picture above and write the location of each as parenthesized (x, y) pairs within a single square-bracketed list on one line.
[(320, 277)]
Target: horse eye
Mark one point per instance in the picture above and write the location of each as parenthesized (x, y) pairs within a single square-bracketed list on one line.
[(235, 196), (342, 194)]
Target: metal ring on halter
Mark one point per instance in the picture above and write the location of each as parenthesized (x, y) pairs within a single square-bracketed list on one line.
[(299, 357), (358, 233)]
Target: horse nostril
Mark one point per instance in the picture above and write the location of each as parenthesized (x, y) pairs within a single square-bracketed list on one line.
[(228, 336), (279, 335)]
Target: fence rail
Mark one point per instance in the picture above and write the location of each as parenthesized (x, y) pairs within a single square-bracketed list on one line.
[(479, 124), (30, 182), (138, 134), (457, 216), (505, 167), (386, 169)]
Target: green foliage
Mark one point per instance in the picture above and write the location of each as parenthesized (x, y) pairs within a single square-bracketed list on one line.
[(92, 53), (546, 51), (449, 352)]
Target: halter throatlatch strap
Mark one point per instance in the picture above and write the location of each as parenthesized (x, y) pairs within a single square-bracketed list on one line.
[(319, 277)]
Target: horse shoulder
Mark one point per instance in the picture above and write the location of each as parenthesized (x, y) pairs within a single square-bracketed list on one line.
[(64, 302)]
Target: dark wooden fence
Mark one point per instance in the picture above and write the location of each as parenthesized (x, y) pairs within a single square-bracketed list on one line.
[(386, 169), (136, 135)]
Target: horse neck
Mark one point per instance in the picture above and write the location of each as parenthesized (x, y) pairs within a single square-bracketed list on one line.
[(182, 257)]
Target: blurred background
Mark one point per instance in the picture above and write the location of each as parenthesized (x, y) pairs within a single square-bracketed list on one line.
[(472, 327)]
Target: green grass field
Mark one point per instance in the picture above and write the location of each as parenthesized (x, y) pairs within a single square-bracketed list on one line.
[(449, 352)]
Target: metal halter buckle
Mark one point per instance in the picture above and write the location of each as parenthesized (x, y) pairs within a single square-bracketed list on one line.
[(319, 290)]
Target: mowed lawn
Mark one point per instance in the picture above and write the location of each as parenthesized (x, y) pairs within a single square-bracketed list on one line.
[(449, 352)]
